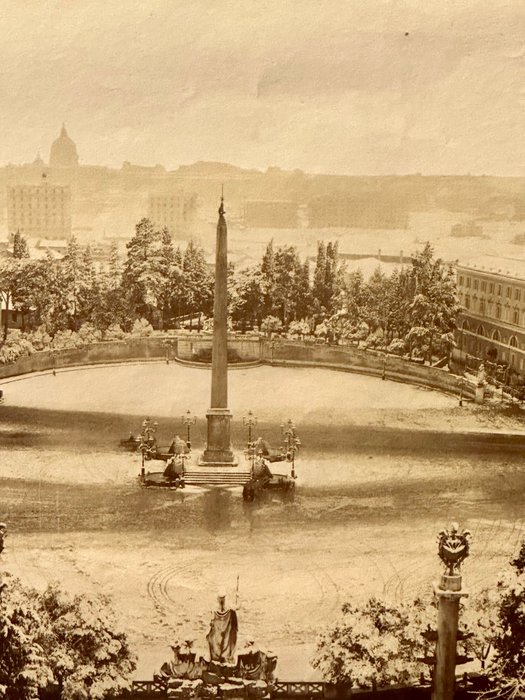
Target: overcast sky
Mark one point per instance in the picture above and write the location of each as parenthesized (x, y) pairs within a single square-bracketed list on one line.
[(356, 86)]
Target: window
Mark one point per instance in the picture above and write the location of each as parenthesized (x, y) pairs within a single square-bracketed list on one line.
[(461, 280), (467, 302), (476, 284), (482, 306), (480, 330), (513, 342), (466, 326), (483, 286), (498, 310), (499, 290), (517, 294), (468, 281), (509, 292), (496, 336), (516, 316)]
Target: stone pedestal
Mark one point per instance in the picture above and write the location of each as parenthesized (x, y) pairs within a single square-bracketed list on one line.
[(480, 394), (449, 594), (218, 450)]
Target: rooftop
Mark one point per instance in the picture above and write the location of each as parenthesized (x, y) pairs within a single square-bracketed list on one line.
[(506, 267)]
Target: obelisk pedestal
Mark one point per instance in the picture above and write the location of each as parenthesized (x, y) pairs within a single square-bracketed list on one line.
[(218, 450)]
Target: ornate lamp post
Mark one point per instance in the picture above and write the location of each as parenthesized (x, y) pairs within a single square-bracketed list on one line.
[(188, 420), (250, 421), (453, 549), (147, 439), (291, 441)]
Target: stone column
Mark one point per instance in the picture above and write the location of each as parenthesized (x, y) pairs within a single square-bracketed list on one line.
[(453, 549), (218, 449), (449, 594)]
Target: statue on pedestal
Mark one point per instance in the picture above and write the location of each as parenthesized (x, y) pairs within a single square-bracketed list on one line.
[(222, 637)]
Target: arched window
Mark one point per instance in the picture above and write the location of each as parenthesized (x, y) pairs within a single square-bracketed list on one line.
[(480, 330), (466, 326), (513, 342), (496, 336)]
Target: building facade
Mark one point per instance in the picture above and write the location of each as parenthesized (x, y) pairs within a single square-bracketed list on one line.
[(492, 327), (174, 211), (39, 211)]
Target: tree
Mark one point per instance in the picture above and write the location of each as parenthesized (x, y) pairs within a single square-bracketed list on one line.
[(23, 664), (52, 638), (432, 287), (288, 284), (20, 249), (374, 645), (88, 655), (10, 278), (142, 274), (328, 280), (197, 281), (268, 279), (246, 297), (508, 664)]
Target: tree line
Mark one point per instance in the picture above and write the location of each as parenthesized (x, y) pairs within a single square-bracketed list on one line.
[(412, 310)]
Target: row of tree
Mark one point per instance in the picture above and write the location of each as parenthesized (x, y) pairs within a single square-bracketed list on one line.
[(411, 310)]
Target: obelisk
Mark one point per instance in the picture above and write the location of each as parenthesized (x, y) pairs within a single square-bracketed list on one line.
[(218, 450)]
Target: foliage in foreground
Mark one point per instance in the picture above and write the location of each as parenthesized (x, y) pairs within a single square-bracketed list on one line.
[(51, 637), (373, 645), (378, 643)]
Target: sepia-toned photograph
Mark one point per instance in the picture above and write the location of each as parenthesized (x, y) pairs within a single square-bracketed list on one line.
[(262, 350)]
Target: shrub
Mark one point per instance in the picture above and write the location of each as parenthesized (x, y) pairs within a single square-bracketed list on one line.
[(65, 340), (142, 328), (89, 334), (114, 332), (16, 345), (40, 338), (397, 346), (271, 324)]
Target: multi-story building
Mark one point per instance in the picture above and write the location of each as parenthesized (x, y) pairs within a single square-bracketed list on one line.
[(492, 326), (175, 211), (39, 211)]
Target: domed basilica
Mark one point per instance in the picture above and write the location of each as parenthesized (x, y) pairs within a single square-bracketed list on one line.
[(63, 152)]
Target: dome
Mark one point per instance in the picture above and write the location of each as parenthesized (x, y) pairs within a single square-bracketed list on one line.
[(63, 152)]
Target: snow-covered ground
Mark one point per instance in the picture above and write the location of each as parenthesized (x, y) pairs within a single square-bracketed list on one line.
[(372, 493)]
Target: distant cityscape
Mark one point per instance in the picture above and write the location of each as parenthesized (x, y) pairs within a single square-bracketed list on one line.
[(48, 202)]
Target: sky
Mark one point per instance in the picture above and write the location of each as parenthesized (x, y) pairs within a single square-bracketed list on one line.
[(337, 86)]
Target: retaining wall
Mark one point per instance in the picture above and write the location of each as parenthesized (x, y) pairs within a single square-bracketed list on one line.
[(287, 353), (352, 359)]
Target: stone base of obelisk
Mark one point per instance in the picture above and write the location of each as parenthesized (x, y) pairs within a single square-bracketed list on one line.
[(218, 450)]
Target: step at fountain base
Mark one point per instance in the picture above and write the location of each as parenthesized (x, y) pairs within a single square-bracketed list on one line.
[(215, 476)]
